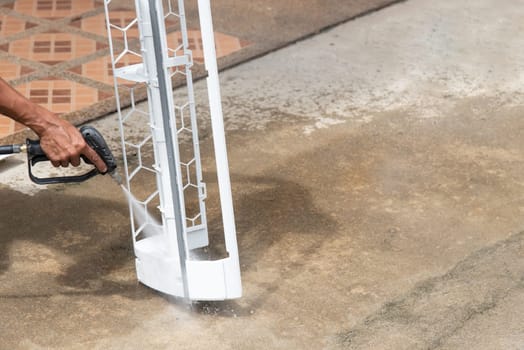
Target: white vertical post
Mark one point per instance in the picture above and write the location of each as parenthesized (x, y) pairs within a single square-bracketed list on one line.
[(219, 139)]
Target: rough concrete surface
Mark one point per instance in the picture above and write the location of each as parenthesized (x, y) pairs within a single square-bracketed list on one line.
[(377, 174)]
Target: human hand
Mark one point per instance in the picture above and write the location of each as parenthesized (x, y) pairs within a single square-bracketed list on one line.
[(63, 145)]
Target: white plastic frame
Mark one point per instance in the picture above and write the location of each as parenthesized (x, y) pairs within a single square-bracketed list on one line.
[(164, 262)]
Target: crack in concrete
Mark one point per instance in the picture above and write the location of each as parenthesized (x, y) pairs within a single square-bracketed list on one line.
[(438, 308), (479, 310)]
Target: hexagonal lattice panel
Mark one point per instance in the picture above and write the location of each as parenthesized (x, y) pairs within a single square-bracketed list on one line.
[(137, 125)]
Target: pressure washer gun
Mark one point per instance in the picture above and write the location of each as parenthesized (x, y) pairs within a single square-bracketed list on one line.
[(35, 155)]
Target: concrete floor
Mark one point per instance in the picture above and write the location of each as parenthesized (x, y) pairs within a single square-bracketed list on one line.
[(378, 183)]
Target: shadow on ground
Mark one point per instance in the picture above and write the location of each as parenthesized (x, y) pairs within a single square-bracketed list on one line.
[(90, 237), (267, 210)]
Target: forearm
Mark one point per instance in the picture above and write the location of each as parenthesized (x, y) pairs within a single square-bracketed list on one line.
[(61, 141), (18, 107)]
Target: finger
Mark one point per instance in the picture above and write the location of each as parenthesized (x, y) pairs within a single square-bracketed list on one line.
[(75, 160), (55, 163), (64, 163), (95, 159)]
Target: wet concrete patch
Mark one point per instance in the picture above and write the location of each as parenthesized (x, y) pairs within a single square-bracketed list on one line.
[(64, 260), (77, 240)]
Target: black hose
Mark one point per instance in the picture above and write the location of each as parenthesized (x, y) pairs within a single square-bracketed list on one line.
[(9, 149)]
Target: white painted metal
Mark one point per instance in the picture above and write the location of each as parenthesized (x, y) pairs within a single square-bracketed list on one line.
[(163, 260)]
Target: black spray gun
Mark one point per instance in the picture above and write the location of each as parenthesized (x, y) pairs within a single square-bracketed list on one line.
[(35, 155)]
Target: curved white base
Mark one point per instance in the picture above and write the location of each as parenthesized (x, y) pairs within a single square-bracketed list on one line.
[(207, 280)]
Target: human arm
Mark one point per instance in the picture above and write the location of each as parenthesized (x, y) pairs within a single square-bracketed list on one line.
[(60, 140)]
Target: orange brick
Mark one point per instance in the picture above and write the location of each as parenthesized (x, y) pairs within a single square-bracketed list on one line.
[(9, 71), (30, 7), (11, 25), (25, 47)]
